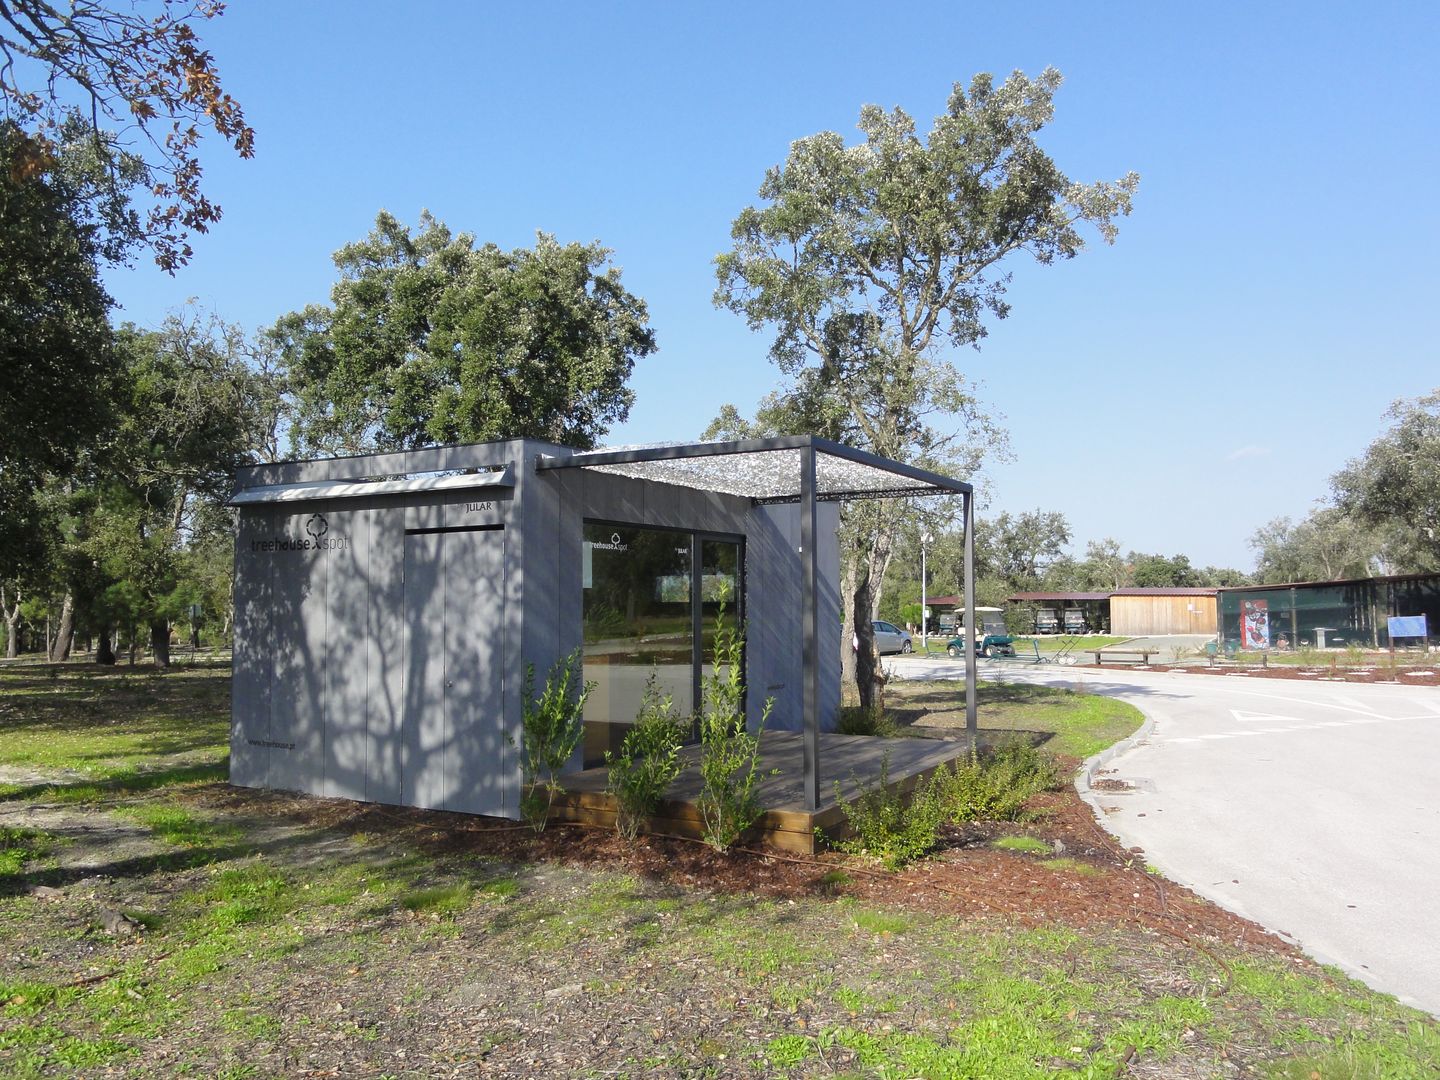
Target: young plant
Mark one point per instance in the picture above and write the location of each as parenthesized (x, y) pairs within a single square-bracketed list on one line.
[(552, 726), (886, 824), (994, 788), (729, 753), (648, 760), (858, 720)]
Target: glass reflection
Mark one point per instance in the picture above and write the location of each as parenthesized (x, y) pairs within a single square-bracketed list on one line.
[(637, 618)]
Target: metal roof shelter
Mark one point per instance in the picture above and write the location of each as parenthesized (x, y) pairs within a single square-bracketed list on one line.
[(800, 469)]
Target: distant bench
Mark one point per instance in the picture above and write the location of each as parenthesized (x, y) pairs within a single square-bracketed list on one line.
[(1138, 656)]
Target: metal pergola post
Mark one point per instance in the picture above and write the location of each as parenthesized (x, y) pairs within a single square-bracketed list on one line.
[(810, 628), (972, 723)]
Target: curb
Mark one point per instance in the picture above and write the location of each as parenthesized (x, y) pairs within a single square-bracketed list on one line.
[(1085, 775)]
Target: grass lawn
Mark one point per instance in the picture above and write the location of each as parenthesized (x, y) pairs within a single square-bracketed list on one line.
[(253, 942), (1074, 724)]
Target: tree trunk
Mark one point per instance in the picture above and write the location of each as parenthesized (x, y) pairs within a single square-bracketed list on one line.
[(65, 635), (12, 625), (160, 643), (104, 648), (848, 633)]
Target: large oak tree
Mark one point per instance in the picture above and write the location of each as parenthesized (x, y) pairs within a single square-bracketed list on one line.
[(430, 340)]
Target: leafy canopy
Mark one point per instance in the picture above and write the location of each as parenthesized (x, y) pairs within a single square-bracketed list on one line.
[(138, 69), (1396, 482), (866, 259), (432, 340)]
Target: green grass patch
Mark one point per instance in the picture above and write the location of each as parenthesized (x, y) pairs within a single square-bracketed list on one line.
[(880, 922), (787, 1051), (439, 900), (108, 725), (19, 847), (1067, 722), (1411, 1054), (500, 888), (176, 825), (1028, 845), (1073, 866)]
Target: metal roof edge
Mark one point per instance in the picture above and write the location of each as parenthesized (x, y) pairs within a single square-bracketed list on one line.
[(312, 490)]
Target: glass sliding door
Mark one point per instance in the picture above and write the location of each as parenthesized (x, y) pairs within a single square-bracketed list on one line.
[(649, 596), (638, 619)]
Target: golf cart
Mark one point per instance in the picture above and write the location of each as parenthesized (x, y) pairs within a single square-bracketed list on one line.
[(991, 637)]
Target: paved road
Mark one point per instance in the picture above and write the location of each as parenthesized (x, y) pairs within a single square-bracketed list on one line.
[(1311, 808)]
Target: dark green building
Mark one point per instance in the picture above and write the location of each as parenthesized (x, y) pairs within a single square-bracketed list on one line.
[(1328, 614)]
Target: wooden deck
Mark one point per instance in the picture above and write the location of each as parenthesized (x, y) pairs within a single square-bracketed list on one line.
[(785, 823)]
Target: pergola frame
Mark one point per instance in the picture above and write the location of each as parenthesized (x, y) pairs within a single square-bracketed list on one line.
[(868, 479)]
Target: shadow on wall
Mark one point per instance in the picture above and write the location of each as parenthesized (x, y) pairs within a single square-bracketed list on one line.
[(368, 661)]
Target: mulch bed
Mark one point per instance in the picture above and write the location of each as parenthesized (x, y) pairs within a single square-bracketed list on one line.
[(1412, 676), (1096, 881)]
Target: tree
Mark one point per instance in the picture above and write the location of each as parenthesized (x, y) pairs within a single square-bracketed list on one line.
[(432, 340), (140, 73), (54, 329), (1022, 547), (194, 405), (868, 261), (1328, 545), (56, 378), (1159, 572), (1104, 568), (1396, 482)]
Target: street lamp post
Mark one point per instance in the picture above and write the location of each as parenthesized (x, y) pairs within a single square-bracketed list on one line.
[(924, 605)]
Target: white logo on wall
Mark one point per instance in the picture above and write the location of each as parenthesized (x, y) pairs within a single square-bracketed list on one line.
[(613, 545)]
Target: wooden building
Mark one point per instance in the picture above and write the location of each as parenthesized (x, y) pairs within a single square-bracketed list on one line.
[(1146, 612), (1125, 612)]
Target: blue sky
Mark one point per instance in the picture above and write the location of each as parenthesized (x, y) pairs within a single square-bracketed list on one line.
[(1274, 290)]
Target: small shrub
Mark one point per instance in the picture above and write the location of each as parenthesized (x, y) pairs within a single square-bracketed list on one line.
[(858, 720), (648, 760), (994, 788), (729, 752), (886, 824), (552, 727)]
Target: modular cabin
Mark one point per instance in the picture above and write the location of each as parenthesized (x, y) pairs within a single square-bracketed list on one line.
[(389, 607)]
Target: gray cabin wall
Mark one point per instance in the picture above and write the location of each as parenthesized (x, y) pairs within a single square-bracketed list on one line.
[(322, 672), (774, 655)]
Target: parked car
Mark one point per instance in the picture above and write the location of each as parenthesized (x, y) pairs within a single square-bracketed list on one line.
[(889, 638)]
